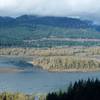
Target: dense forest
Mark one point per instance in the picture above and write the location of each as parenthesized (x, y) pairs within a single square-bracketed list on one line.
[(81, 90), (35, 31)]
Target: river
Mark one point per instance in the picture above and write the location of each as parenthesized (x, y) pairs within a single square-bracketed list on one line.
[(35, 80)]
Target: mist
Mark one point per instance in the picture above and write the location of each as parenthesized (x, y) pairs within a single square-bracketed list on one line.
[(86, 9)]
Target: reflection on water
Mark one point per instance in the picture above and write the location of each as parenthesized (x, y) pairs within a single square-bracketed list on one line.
[(34, 80), (19, 63)]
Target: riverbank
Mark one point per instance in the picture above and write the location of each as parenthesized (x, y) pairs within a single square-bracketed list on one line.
[(70, 60), (68, 70), (76, 91), (21, 96), (60, 59), (75, 70), (11, 70)]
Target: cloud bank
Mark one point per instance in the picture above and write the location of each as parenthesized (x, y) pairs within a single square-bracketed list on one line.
[(88, 9)]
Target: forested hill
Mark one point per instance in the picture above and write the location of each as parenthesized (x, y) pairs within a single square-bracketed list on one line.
[(36, 31), (29, 20)]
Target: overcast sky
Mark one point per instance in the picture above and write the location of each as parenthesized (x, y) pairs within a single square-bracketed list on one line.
[(89, 9)]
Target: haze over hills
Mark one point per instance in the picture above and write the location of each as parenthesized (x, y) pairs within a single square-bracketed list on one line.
[(22, 30)]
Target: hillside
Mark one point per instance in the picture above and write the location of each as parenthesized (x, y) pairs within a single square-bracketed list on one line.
[(36, 31), (29, 20)]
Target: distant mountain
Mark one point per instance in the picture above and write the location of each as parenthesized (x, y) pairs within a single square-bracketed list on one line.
[(6, 21), (53, 21), (29, 20)]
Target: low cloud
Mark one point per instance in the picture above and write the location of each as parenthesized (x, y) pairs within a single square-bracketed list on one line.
[(88, 9)]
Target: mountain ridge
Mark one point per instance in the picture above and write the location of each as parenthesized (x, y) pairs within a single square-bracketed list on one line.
[(16, 31), (46, 20)]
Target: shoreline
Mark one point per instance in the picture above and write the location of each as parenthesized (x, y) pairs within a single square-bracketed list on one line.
[(11, 70), (75, 70), (81, 59), (15, 70), (67, 70)]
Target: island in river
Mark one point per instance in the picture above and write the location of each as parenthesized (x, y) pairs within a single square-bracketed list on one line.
[(59, 59)]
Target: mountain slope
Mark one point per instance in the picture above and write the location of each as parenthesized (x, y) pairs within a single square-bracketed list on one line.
[(51, 21), (34, 31)]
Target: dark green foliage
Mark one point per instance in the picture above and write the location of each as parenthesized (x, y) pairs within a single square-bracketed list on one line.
[(14, 32), (29, 20), (21, 36), (81, 90)]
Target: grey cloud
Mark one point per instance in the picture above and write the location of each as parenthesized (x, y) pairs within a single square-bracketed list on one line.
[(75, 8)]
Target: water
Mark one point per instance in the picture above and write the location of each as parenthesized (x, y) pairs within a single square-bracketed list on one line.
[(35, 80)]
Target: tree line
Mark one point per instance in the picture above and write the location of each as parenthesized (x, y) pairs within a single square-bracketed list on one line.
[(81, 90)]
